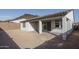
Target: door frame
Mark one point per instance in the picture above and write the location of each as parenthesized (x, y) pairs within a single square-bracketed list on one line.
[(45, 26)]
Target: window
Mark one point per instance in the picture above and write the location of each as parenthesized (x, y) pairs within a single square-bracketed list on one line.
[(67, 19), (57, 23), (44, 25), (24, 24)]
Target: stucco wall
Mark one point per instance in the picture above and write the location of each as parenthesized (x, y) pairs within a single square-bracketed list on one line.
[(18, 21), (28, 26), (9, 26), (70, 16), (67, 24)]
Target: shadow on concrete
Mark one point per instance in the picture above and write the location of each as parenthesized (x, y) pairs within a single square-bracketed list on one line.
[(51, 44), (72, 42), (6, 42)]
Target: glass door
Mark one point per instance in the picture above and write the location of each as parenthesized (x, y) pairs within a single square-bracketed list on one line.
[(46, 26)]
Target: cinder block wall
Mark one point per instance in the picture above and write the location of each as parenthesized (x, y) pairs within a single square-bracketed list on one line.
[(9, 25)]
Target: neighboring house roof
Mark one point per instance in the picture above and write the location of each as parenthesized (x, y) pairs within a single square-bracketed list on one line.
[(56, 15), (25, 16)]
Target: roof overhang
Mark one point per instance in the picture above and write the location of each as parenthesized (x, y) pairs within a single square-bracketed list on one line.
[(43, 19), (49, 17)]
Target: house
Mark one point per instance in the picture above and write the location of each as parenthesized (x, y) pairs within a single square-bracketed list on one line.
[(14, 23), (22, 18), (58, 23)]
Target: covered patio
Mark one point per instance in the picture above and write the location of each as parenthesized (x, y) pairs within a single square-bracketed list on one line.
[(51, 25)]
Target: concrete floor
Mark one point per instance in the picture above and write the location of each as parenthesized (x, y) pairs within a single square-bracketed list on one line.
[(72, 42), (28, 39), (15, 39)]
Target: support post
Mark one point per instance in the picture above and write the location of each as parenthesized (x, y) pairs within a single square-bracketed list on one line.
[(40, 26), (64, 27)]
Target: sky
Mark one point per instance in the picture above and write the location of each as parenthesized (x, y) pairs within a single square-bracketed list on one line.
[(6, 14)]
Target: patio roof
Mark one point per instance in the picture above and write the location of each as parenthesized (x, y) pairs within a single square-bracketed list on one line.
[(54, 16)]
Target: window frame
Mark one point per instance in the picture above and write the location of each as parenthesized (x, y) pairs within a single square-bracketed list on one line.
[(58, 23)]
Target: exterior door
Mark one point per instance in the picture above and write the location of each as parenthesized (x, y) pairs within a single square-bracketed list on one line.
[(47, 26)]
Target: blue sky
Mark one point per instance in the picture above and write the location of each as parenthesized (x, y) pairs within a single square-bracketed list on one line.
[(6, 14)]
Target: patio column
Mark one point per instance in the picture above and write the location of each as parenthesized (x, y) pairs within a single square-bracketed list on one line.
[(40, 26), (64, 35)]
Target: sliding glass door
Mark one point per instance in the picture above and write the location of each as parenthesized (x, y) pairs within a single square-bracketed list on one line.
[(46, 26)]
